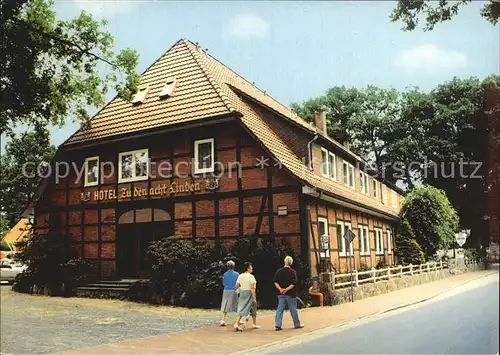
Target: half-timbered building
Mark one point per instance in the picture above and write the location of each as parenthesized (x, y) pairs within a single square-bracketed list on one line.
[(200, 152)]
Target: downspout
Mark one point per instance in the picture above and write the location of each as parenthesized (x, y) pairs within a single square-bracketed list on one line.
[(309, 151)]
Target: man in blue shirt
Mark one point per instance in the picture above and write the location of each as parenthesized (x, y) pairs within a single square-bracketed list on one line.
[(229, 297)]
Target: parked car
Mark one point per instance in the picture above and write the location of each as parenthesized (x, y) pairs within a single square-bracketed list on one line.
[(9, 269)]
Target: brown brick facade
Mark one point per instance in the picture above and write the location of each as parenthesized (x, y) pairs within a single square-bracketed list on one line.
[(240, 206)]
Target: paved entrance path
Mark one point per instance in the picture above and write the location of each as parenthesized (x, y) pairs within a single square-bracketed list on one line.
[(219, 340)]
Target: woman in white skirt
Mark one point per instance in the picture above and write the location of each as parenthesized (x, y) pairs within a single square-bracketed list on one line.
[(229, 296), (247, 301)]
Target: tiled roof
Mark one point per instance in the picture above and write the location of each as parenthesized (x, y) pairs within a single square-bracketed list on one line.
[(206, 88), (18, 232)]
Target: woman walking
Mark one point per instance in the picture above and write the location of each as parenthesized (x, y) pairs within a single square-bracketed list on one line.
[(247, 301), (229, 297)]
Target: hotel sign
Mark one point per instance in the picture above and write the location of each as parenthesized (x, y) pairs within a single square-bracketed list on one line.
[(160, 190)]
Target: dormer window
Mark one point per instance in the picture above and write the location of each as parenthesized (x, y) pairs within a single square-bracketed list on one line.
[(168, 89), (141, 94)]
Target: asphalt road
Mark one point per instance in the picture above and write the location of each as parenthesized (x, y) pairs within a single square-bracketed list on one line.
[(465, 323)]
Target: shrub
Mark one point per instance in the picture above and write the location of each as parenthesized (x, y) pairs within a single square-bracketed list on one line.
[(431, 217), (4, 246), (189, 273), (407, 248), (266, 257), (363, 268), (472, 254), (144, 291), (204, 289), (174, 261), (51, 266)]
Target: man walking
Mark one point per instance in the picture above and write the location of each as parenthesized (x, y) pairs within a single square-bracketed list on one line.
[(285, 281)]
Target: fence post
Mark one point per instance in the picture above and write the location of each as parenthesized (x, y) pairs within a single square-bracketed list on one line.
[(388, 273), (356, 280), (411, 269), (420, 268), (374, 275), (428, 267), (401, 270)]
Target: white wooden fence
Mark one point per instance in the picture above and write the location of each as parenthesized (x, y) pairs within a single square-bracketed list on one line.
[(386, 273)]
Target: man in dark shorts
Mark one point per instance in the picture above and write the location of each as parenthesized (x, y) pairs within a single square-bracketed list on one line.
[(285, 281)]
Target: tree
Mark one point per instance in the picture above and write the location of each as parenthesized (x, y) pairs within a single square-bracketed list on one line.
[(436, 138), (410, 11), (4, 227), (364, 118), (17, 181), (407, 248), (51, 69), (431, 217)]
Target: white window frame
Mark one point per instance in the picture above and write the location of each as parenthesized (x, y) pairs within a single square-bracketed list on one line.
[(133, 178), (375, 183), (86, 171), (379, 241), (332, 171), (389, 241), (342, 247), (364, 249), (324, 163), (325, 222), (350, 170), (211, 168), (363, 182)]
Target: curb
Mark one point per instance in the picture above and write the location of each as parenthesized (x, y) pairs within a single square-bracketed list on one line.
[(340, 325)]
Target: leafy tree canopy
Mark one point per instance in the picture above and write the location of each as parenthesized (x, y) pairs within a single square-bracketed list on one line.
[(358, 117), (418, 137), (4, 227), (431, 217), (17, 181), (410, 12), (52, 69)]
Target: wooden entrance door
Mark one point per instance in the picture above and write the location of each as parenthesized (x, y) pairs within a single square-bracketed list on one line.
[(136, 229)]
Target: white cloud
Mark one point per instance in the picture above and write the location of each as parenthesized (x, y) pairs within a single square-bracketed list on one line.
[(105, 8), (431, 59), (247, 26)]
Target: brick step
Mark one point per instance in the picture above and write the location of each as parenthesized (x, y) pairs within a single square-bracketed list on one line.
[(94, 288), (105, 289)]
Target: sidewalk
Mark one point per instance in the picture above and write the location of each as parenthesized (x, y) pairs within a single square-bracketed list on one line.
[(224, 340)]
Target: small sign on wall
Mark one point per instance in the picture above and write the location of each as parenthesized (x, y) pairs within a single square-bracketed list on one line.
[(282, 210)]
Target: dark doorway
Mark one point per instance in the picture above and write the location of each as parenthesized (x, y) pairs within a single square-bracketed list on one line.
[(136, 229)]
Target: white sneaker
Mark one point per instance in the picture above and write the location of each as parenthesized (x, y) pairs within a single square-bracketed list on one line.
[(255, 326), (237, 328), (222, 323)]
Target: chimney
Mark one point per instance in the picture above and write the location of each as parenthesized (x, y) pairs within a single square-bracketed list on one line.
[(320, 121)]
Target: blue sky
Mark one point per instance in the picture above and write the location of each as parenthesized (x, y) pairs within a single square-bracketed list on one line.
[(296, 50)]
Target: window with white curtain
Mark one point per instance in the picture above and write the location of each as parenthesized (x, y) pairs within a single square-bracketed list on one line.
[(364, 240), (379, 241), (342, 227)]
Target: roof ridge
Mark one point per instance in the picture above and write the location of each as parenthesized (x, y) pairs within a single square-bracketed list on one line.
[(208, 74), (241, 77)]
